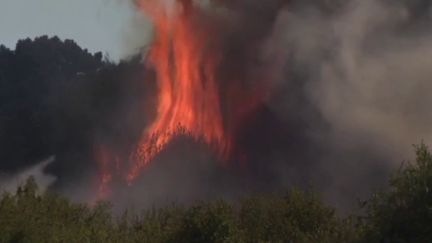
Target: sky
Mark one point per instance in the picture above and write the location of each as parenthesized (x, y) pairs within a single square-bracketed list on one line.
[(109, 26)]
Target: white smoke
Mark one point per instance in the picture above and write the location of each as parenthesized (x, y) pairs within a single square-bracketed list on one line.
[(10, 183)]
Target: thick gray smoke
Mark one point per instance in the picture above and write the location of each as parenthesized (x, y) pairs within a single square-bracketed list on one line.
[(370, 75), (368, 71)]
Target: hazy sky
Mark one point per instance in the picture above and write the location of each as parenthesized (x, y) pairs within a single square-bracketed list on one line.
[(99, 25)]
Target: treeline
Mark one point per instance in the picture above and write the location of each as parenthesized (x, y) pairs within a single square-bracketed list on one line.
[(32, 79), (403, 213), (59, 99)]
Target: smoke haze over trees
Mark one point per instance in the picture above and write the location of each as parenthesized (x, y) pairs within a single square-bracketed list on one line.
[(400, 215)]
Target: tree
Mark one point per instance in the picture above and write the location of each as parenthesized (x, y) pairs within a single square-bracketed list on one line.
[(296, 217), (404, 213)]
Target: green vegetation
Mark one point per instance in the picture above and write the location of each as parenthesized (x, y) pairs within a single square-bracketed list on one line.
[(401, 214), (404, 213)]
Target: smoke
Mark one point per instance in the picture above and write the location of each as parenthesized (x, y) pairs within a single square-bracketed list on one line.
[(366, 69), (10, 183), (369, 75)]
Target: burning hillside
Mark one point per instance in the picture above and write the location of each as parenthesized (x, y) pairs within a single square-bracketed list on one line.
[(193, 100)]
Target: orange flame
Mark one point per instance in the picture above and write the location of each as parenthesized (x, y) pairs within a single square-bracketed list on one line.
[(188, 100)]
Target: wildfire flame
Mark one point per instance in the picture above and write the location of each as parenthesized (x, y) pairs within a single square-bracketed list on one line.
[(186, 55), (188, 100)]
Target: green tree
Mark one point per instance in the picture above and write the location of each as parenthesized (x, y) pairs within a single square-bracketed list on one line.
[(404, 213), (209, 222), (297, 217)]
